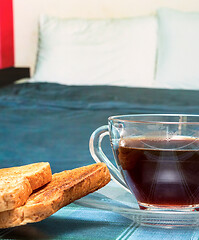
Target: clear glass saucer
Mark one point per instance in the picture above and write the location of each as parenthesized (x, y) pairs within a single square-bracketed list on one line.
[(114, 198)]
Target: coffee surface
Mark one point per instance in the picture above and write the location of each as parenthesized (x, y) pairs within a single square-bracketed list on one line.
[(159, 171)]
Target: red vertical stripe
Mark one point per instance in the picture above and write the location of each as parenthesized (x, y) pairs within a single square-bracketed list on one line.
[(6, 34)]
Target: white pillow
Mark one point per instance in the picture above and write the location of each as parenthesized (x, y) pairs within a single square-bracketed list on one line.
[(97, 52), (178, 50)]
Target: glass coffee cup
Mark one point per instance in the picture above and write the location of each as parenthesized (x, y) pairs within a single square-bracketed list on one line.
[(157, 158)]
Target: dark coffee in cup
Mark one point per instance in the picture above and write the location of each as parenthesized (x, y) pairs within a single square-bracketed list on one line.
[(161, 172), (157, 158)]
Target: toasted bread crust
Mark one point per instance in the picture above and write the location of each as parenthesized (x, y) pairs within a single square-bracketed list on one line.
[(42, 175), (16, 184), (64, 188)]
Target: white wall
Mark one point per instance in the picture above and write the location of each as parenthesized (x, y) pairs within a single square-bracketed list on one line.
[(26, 15)]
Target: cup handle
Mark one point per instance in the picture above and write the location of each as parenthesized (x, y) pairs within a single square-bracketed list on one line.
[(99, 156)]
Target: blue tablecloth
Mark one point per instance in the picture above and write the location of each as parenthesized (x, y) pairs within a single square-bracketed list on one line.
[(75, 222)]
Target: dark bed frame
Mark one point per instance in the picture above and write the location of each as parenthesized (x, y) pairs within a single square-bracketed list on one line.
[(12, 74)]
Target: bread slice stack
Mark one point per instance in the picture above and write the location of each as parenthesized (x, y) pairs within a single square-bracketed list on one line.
[(17, 183), (31, 193)]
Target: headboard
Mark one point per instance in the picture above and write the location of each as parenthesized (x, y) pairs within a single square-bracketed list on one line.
[(26, 16)]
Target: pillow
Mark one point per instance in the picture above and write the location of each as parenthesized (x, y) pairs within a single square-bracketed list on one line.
[(178, 50), (97, 52)]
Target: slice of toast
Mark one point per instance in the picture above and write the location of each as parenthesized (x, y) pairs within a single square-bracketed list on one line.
[(65, 187), (17, 183)]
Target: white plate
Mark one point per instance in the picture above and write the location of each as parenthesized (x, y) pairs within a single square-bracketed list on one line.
[(114, 198)]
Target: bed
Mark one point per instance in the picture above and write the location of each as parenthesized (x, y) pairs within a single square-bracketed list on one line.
[(52, 122), (85, 69)]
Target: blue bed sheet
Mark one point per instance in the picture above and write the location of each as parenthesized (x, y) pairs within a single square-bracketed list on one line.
[(52, 122)]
